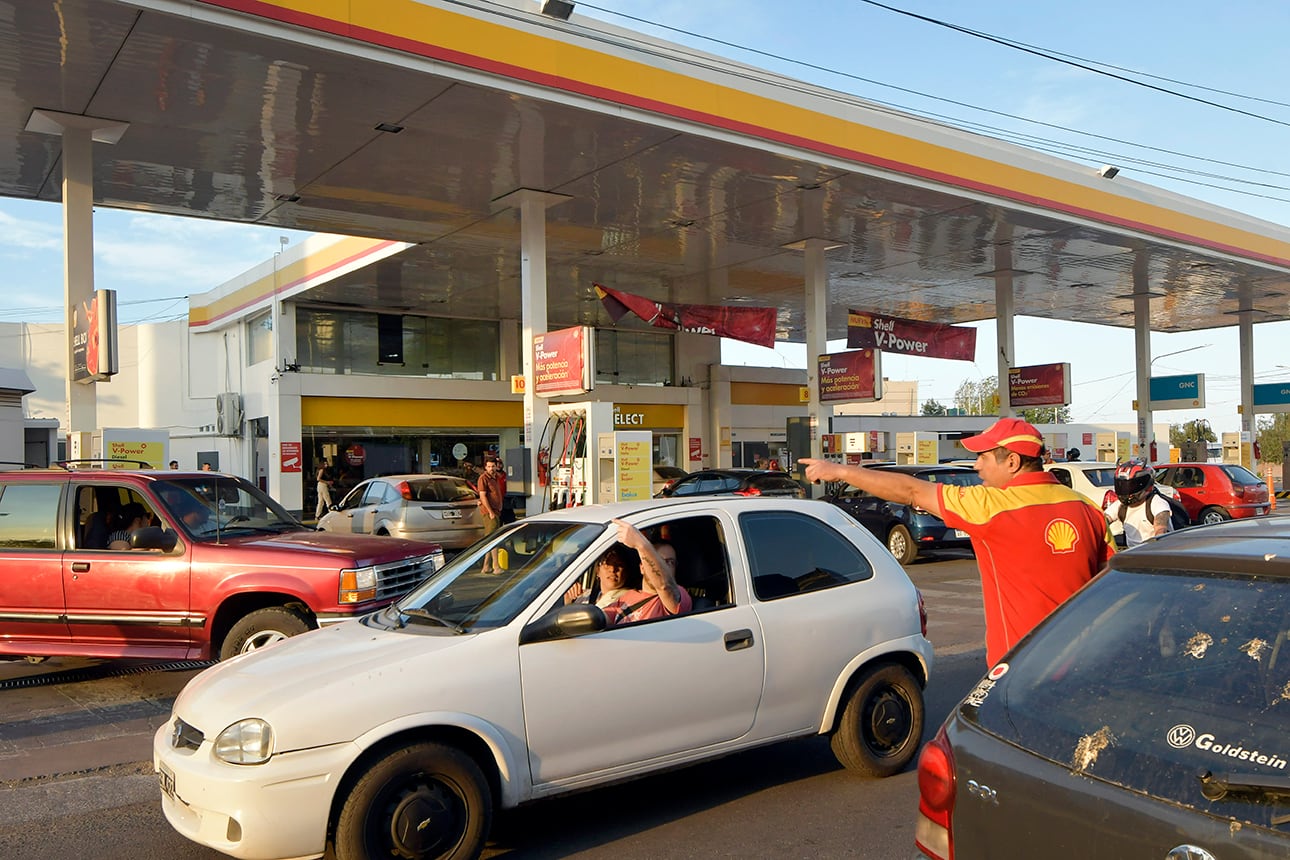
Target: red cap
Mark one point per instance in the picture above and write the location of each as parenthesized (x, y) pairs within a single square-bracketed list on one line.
[(1011, 433)]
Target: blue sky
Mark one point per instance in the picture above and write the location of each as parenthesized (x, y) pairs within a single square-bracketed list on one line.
[(855, 46)]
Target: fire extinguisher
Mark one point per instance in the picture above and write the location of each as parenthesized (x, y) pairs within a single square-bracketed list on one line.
[(544, 467), (1153, 452)]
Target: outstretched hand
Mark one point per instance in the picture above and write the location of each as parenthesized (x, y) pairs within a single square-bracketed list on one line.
[(823, 470)]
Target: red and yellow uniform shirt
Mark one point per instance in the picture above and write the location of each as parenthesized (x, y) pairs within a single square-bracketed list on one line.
[(1037, 542)]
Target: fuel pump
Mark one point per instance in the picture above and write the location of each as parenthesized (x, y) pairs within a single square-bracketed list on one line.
[(565, 471)]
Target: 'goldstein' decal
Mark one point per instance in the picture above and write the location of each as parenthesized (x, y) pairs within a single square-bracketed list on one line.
[(1182, 736)]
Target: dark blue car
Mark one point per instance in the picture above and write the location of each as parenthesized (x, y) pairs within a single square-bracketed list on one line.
[(905, 529)]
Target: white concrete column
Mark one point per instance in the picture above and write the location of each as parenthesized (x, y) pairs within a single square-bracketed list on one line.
[(1005, 324), (817, 311), (79, 134), (1248, 424), (1142, 364), (533, 301)]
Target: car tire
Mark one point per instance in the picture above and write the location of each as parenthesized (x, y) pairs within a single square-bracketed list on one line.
[(262, 627), (1213, 514), (424, 801), (901, 544), (881, 725)]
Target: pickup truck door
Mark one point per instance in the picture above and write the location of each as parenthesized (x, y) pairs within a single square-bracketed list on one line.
[(135, 596), (31, 585)]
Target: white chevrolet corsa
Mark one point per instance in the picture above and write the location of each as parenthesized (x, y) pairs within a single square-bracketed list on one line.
[(399, 734)]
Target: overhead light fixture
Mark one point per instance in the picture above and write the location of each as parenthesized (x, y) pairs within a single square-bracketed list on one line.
[(287, 198), (557, 9), (1108, 171), (389, 127)]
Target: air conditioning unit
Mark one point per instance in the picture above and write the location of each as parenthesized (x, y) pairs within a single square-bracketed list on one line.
[(228, 414)]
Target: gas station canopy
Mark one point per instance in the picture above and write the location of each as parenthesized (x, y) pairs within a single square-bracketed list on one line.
[(688, 177)]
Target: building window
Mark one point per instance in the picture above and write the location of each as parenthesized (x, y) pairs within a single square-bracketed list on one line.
[(634, 358), (330, 341), (259, 337)]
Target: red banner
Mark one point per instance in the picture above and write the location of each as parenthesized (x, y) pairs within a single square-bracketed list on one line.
[(562, 362), (910, 337), (1040, 385), (751, 325), (852, 376)]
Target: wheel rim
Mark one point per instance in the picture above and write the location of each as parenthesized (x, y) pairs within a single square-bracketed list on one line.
[(1212, 517), (262, 639), (887, 722), (897, 544), (424, 818)]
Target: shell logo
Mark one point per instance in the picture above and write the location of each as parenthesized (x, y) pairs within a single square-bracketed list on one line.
[(1061, 536)]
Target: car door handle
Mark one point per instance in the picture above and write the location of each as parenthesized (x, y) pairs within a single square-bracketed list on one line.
[(80, 566), (738, 640)]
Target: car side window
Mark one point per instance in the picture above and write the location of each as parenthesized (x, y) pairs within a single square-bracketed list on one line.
[(353, 499), (375, 494), (791, 553), (1063, 476), (29, 515)]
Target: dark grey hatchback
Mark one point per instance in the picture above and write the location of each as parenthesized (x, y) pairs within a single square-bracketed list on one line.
[(1146, 717)]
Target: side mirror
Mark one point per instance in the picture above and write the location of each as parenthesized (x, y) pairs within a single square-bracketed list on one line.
[(565, 622), (152, 537)]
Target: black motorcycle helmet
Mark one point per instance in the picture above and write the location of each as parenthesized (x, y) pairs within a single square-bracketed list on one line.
[(1134, 481)]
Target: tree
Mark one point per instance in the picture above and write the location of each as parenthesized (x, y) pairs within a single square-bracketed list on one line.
[(932, 407), (1273, 431), (978, 396), (1047, 415)]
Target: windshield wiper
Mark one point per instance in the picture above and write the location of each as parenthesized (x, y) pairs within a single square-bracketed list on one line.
[(1217, 786), (424, 615)]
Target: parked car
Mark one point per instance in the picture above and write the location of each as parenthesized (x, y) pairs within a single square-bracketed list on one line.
[(1146, 717), (737, 482), (908, 530), (1092, 480), (482, 691), (1213, 492), (665, 476), (439, 508), (220, 568)]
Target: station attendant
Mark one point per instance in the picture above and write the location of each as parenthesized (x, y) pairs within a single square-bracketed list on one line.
[(1037, 541)]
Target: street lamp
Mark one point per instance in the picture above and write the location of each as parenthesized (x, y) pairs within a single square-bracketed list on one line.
[(1180, 352)]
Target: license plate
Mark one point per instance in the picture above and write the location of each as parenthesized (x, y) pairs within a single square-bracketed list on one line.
[(452, 515), (167, 778), (959, 533)]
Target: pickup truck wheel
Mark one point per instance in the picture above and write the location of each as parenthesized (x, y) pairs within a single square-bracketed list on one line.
[(427, 801), (260, 628), (901, 544), (882, 722)]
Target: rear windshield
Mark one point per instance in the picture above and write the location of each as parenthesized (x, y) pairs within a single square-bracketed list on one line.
[(442, 490), (954, 479), (1100, 477), (1149, 680), (774, 482), (1241, 475)]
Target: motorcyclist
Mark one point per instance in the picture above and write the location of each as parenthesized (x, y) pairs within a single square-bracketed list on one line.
[(1144, 512)]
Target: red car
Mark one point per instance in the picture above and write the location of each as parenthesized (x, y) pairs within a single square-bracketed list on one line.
[(1213, 492), (174, 565)]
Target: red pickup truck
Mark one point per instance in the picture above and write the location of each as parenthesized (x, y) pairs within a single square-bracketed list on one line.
[(173, 565)]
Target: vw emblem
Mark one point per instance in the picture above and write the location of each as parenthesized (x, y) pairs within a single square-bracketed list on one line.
[(1181, 736), (1189, 852)]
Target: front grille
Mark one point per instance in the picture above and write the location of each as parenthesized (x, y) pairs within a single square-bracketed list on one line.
[(184, 736), (396, 578)]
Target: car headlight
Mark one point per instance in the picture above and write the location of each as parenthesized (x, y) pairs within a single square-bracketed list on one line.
[(247, 741), (358, 585)]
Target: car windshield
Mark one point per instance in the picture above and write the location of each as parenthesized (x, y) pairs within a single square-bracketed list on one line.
[(490, 583), (221, 506), (1148, 680), (441, 490)]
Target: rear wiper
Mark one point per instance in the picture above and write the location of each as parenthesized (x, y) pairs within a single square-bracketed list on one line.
[(1217, 786), (424, 615)]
